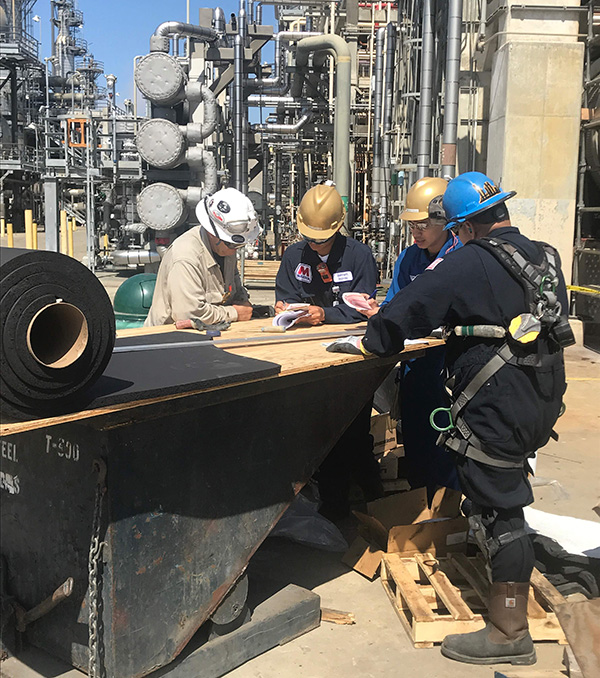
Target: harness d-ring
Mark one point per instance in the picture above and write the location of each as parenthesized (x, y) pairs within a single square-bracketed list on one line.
[(448, 411)]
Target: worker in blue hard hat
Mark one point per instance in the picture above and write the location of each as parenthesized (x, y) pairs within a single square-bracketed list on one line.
[(502, 299)]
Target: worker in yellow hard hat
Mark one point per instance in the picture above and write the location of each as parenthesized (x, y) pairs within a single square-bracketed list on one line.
[(318, 271), (420, 381)]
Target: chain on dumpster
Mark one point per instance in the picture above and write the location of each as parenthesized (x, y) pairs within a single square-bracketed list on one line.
[(94, 669)]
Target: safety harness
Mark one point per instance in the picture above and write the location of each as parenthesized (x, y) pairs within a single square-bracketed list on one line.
[(539, 282)]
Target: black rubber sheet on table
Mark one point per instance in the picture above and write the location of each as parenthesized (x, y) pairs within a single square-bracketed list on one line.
[(138, 375)]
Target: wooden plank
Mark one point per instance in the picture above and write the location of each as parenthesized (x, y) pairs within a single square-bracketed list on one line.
[(408, 589), (465, 566), (337, 617), (307, 356), (534, 609), (546, 629), (448, 593), (546, 590)]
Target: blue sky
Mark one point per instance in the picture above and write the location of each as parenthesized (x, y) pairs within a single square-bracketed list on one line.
[(118, 30)]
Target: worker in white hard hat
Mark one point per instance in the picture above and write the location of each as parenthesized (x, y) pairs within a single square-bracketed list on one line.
[(198, 277), (318, 271)]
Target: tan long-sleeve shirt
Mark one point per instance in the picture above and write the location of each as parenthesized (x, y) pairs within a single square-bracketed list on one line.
[(190, 283)]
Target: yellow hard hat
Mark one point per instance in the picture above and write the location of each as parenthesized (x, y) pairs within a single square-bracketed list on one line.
[(420, 195), (321, 212)]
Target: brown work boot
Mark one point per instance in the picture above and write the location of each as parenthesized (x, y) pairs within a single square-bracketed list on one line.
[(506, 637)]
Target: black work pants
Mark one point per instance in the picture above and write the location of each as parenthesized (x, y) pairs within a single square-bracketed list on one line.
[(351, 459), (501, 495), (514, 561)]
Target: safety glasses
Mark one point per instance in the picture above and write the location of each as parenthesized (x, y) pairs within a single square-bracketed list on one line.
[(424, 225)]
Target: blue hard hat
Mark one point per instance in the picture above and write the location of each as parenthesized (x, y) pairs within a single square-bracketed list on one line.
[(469, 194)]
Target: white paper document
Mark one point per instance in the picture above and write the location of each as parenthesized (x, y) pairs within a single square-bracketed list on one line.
[(290, 316)]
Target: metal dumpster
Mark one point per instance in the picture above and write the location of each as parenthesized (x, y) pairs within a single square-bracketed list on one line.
[(183, 489)]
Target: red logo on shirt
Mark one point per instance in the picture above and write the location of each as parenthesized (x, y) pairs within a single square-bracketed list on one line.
[(303, 273)]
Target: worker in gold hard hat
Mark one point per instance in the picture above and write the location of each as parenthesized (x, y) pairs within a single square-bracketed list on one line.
[(420, 381), (325, 264), (318, 271)]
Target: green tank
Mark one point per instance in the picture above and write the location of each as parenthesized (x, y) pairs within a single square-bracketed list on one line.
[(133, 300)]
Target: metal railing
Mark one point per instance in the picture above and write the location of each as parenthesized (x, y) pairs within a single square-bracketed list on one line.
[(27, 43)]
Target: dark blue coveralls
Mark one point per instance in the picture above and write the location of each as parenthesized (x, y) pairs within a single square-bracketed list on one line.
[(352, 269), (514, 412), (422, 387)]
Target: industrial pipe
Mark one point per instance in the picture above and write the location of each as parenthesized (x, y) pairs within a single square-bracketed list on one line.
[(375, 179), (384, 174), (278, 79), (426, 95), (341, 117), (197, 132), (159, 42), (240, 174), (281, 128), (204, 163), (450, 129), (137, 257), (219, 20)]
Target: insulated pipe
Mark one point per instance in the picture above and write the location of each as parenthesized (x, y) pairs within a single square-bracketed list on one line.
[(278, 78), (450, 129), (138, 257), (375, 180), (384, 175), (280, 128), (197, 132), (159, 42), (219, 20), (341, 118), (240, 176), (203, 166), (426, 95)]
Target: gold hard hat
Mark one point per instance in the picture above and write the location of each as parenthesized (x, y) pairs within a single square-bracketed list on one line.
[(420, 195), (321, 212)]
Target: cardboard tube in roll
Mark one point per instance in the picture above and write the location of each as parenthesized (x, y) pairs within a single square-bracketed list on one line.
[(57, 333)]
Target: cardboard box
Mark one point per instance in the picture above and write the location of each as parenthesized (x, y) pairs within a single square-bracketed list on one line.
[(388, 462), (383, 430), (403, 523), (388, 465)]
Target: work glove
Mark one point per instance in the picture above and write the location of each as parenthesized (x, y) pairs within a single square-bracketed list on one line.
[(349, 344)]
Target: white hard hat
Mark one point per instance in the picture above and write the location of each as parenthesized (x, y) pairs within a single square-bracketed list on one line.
[(229, 215)]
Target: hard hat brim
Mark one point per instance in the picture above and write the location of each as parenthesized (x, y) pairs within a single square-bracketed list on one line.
[(494, 200), (409, 215), (317, 233), (211, 227)]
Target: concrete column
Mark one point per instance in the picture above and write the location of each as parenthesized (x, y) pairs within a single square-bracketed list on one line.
[(535, 102), (51, 225)]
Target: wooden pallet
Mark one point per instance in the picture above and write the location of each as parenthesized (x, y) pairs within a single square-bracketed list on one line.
[(437, 596), (261, 271)]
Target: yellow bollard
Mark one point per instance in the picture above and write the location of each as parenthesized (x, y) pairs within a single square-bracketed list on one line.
[(73, 224), (70, 240), (9, 234), (2, 227), (29, 229), (63, 232), (35, 235)]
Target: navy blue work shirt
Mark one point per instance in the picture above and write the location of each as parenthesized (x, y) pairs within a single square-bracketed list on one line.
[(352, 269)]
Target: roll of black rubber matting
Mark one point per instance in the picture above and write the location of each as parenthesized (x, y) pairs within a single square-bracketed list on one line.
[(57, 333)]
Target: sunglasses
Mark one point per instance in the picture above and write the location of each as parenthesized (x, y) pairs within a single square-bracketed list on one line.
[(317, 242)]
